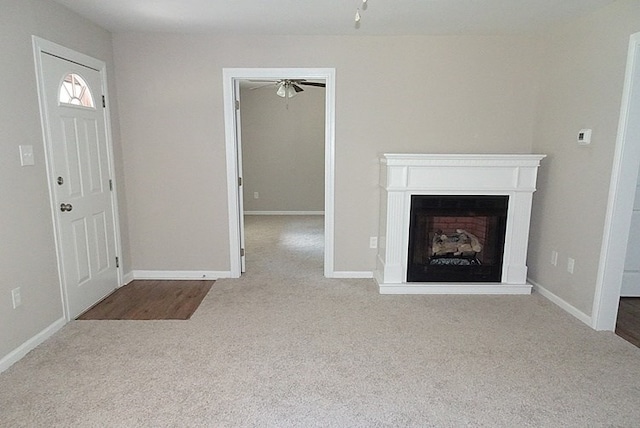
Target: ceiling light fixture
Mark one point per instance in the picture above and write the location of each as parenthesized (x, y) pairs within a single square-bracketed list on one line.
[(286, 89), (358, 17)]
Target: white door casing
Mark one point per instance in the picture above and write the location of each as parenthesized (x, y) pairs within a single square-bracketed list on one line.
[(230, 77), (81, 179), (236, 97), (626, 162)]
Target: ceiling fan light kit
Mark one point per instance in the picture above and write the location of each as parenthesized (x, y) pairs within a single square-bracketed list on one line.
[(281, 92), (358, 17), (289, 88)]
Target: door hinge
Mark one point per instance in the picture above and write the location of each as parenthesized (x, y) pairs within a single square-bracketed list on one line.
[(241, 252), (111, 185), (117, 262), (237, 105), (239, 181), (104, 102)]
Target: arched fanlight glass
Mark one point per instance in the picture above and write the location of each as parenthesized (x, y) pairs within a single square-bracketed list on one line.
[(75, 91)]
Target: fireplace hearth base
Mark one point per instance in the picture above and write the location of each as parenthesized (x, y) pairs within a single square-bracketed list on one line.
[(403, 176)]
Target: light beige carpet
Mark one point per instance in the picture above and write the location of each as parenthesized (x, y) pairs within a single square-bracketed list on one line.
[(284, 347)]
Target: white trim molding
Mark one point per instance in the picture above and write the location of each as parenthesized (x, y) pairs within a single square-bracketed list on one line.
[(179, 274), (22, 350), (624, 174), (561, 303), (232, 75), (284, 213), (454, 288), (352, 274), (127, 278)]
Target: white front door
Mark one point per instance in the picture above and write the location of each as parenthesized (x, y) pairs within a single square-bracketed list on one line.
[(79, 164)]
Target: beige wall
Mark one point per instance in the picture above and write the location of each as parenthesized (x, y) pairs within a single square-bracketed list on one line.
[(583, 72), (27, 251), (394, 94), (283, 149)]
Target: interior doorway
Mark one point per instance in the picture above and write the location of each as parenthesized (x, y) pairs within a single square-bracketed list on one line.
[(622, 190), (231, 82), (281, 137)]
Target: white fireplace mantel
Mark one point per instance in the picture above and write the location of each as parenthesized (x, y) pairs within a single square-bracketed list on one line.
[(404, 175)]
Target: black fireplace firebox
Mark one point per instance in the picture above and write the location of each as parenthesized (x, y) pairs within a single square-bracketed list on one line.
[(457, 238)]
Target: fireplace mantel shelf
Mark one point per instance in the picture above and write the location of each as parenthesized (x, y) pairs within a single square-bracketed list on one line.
[(404, 175)]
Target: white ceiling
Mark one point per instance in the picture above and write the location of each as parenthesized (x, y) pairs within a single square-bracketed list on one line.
[(330, 17)]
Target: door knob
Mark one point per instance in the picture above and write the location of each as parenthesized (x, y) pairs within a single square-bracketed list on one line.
[(66, 207)]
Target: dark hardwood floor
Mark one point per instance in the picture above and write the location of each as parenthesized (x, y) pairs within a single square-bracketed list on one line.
[(151, 300), (628, 325)]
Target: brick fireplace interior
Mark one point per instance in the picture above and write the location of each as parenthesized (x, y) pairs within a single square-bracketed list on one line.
[(457, 238)]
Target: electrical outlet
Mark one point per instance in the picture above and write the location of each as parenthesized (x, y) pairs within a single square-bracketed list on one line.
[(373, 242), (571, 263), (16, 298), (554, 258), (26, 155), (256, 195)]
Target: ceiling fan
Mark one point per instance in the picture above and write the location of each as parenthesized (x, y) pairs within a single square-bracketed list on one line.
[(287, 88)]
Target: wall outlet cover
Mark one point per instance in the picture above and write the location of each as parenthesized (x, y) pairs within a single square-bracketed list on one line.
[(26, 155)]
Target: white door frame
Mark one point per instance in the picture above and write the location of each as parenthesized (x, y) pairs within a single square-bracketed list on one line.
[(230, 76), (43, 47), (622, 188)]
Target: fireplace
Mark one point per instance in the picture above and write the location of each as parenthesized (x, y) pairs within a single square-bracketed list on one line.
[(456, 238), (454, 224)]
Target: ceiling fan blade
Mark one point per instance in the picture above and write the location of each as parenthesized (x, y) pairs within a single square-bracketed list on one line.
[(296, 87), (322, 85), (264, 85)]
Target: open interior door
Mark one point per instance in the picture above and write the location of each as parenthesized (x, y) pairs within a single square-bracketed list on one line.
[(236, 97)]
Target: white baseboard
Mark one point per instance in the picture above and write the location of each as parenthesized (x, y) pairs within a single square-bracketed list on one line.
[(352, 274), (284, 213), (179, 274), (454, 288), (561, 303), (22, 350), (127, 278)]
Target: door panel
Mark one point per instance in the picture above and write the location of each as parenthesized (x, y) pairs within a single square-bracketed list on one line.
[(80, 251), (79, 156), (100, 233)]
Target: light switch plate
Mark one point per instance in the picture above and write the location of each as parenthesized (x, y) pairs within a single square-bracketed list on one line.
[(26, 155), (16, 298)]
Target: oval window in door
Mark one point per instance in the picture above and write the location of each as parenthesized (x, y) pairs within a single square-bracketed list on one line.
[(75, 91)]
